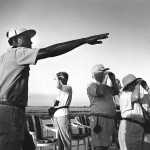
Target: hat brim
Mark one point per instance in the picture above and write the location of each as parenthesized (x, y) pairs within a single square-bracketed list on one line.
[(29, 32), (130, 83), (95, 72), (104, 69)]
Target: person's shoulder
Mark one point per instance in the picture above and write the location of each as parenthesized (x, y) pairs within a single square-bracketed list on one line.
[(25, 49), (92, 84), (69, 86), (2, 54), (124, 93), (66, 88)]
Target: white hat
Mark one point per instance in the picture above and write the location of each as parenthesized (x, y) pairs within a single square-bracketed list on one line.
[(128, 79), (18, 31), (98, 68)]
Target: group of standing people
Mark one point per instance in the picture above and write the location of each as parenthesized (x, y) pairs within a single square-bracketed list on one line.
[(129, 98), (104, 100), (14, 73)]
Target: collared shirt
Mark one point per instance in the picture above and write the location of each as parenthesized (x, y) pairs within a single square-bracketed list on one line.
[(101, 105), (14, 73), (64, 97)]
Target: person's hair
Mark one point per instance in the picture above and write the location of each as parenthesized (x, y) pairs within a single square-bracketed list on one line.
[(63, 75)]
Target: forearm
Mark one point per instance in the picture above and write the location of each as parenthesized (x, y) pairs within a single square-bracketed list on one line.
[(59, 85), (148, 91), (59, 49), (145, 86), (115, 87), (105, 80)]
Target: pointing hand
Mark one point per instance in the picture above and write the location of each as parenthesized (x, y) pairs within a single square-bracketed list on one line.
[(95, 39)]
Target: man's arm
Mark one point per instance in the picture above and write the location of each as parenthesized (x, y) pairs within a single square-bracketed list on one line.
[(62, 48), (58, 82), (114, 84), (105, 75), (145, 86)]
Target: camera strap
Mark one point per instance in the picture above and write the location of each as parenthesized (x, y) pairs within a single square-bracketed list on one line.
[(62, 107)]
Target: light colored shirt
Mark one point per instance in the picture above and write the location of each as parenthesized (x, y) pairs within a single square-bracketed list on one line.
[(129, 109), (101, 105), (14, 73), (64, 97), (116, 98)]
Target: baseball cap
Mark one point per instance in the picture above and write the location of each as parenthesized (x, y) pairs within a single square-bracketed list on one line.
[(98, 68)]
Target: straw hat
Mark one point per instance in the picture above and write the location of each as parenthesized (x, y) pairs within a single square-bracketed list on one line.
[(128, 79)]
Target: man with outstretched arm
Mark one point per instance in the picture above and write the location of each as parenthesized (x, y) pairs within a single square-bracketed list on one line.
[(14, 73)]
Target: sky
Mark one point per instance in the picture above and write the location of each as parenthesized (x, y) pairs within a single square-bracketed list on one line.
[(126, 51)]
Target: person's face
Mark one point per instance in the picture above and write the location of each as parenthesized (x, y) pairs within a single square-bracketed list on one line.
[(99, 76), (24, 41), (131, 86)]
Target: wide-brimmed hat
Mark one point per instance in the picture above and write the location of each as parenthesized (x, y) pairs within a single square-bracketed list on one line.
[(98, 68), (18, 31), (128, 79)]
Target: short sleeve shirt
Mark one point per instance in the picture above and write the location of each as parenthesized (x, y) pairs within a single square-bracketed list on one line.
[(64, 97), (101, 105), (14, 73)]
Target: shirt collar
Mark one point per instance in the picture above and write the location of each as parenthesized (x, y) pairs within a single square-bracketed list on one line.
[(9, 49), (12, 48)]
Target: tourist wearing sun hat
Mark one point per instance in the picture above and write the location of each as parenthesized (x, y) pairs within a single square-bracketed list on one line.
[(14, 75), (130, 133), (128, 79), (102, 106)]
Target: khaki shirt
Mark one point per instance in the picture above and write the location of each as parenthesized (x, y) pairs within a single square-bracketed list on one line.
[(14, 73), (101, 105)]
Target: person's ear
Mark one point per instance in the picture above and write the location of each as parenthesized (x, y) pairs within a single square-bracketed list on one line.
[(15, 41), (64, 81)]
